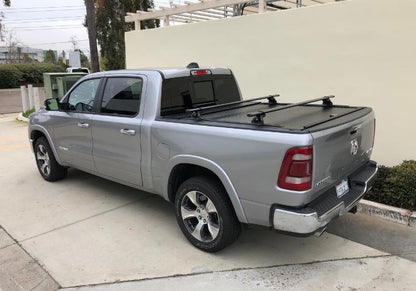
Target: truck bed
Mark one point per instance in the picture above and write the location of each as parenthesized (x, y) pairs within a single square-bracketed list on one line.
[(299, 119)]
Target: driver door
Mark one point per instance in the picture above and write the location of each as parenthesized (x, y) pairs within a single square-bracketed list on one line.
[(72, 127)]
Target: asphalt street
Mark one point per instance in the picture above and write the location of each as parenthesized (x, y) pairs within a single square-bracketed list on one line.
[(87, 233)]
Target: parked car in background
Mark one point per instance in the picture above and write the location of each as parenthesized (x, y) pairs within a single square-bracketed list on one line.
[(77, 70), (188, 136)]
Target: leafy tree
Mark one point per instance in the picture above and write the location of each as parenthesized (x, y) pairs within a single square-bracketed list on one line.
[(84, 59), (111, 27), (62, 63), (27, 58), (62, 60), (5, 3), (13, 48), (50, 57)]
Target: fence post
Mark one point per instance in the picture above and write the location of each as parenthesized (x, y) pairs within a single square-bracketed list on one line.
[(25, 100), (36, 98), (30, 91)]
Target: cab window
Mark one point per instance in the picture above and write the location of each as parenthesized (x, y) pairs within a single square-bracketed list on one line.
[(81, 99), (122, 96)]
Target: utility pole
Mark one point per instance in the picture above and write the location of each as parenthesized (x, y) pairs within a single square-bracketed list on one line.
[(92, 34)]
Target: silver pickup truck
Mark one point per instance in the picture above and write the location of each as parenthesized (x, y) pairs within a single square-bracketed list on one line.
[(188, 136)]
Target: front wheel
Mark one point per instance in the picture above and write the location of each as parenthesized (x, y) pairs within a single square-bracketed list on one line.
[(205, 214), (48, 167)]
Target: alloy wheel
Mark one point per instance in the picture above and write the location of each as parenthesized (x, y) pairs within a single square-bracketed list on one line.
[(200, 216), (43, 160)]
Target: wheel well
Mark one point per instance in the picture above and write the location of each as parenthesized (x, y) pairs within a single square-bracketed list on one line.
[(183, 172), (34, 135)]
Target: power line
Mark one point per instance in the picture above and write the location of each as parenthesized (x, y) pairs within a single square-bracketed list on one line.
[(43, 7), (57, 42), (50, 28), (40, 22), (25, 20), (44, 26), (40, 11)]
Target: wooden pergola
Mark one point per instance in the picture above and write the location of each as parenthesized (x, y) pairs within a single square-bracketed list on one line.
[(205, 10)]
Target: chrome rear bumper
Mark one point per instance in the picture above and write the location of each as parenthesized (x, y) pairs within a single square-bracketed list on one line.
[(309, 220)]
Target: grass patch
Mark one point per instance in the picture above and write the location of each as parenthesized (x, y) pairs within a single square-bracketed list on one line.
[(27, 113)]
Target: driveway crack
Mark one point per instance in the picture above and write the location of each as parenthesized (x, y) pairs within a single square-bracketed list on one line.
[(231, 270)]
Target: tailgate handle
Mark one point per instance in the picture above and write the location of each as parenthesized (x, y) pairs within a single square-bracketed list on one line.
[(354, 130)]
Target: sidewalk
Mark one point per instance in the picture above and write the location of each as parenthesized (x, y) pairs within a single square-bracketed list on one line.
[(18, 270)]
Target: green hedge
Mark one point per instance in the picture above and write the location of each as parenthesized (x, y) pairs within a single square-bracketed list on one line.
[(10, 76), (26, 74), (396, 186)]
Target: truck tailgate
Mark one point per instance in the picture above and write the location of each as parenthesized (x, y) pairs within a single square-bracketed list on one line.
[(340, 150)]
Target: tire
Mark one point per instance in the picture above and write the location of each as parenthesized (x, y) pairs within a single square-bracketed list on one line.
[(48, 167), (205, 214)]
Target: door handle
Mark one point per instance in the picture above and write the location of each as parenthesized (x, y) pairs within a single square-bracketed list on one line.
[(83, 125), (128, 131)]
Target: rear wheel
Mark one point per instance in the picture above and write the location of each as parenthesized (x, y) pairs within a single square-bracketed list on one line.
[(48, 167), (205, 214)]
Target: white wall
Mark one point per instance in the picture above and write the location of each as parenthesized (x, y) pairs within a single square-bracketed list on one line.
[(363, 51)]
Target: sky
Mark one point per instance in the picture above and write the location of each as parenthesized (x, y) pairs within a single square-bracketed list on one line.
[(46, 24), (50, 24)]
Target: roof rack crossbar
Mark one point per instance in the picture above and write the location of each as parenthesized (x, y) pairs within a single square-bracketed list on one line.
[(196, 112), (258, 116)]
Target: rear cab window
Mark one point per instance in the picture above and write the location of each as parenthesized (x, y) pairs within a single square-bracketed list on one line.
[(179, 94)]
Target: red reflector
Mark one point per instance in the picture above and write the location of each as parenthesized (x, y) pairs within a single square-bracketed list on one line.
[(201, 72), (296, 170)]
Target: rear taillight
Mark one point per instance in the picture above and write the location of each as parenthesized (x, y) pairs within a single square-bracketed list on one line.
[(296, 170)]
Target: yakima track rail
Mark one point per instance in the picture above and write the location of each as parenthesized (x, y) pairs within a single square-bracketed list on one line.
[(258, 116), (196, 112)]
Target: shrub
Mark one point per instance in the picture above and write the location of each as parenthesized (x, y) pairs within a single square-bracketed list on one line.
[(376, 193), (10, 77), (396, 186), (33, 73), (27, 113), (14, 75)]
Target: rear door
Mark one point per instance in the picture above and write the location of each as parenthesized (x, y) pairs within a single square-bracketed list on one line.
[(116, 131)]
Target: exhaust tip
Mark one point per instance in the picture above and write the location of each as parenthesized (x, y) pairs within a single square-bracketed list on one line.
[(320, 231), (353, 210)]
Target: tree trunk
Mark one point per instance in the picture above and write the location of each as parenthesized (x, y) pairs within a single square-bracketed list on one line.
[(92, 34)]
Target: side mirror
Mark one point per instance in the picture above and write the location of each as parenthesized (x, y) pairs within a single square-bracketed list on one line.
[(52, 104)]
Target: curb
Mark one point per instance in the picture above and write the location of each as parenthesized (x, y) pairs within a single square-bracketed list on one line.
[(20, 117), (395, 214)]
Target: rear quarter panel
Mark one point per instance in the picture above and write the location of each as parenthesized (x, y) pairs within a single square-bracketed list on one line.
[(250, 159)]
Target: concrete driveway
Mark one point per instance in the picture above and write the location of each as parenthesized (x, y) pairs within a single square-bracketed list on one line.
[(85, 230)]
